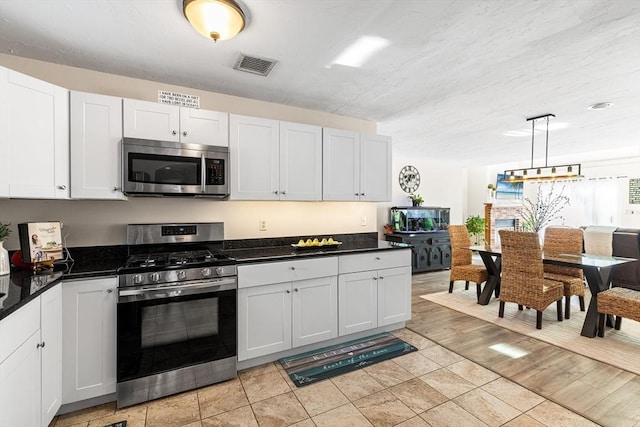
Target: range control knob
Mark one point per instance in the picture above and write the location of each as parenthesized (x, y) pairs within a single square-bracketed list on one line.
[(219, 271), (182, 275), (137, 279), (206, 272), (154, 277)]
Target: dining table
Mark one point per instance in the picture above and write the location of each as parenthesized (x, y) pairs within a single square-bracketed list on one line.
[(597, 271)]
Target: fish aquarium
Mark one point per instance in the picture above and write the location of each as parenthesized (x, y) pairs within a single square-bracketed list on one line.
[(418, 219)]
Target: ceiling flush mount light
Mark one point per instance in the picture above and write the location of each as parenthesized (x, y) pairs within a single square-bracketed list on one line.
[(546, 172), (214, 19)]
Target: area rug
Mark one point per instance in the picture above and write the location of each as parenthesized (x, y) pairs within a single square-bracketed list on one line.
[(618, 348), (307, 368)]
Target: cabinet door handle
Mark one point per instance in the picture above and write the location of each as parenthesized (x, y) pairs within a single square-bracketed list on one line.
[(375, 278), (109, 290), (293, 268), (284, 192), (381, 277), (116, 188), (288, 291), (362, 194), (40, 345), (377, 258), (62, 187), (275, 192), (295, 289), (184, 133), (174, 132)]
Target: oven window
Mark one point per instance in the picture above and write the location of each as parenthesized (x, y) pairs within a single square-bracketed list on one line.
[(156, 336), (151, 168)]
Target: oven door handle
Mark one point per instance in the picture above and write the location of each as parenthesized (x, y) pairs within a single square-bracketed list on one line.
[(200, 287)]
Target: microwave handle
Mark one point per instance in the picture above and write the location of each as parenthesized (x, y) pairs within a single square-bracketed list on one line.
[(203, 179)]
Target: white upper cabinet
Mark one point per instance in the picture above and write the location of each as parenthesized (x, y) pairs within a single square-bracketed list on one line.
[(34, 137), (356, 166), (300, 162), (272, 160), (96, 149), (204, 127), (253, 152), (375, 168), (150, 120)]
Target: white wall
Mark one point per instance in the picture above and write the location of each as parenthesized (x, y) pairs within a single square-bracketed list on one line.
[(441, 184), (103, 222)]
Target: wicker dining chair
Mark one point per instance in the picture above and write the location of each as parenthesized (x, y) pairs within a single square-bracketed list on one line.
[(563, 240), (621, 302), (523, 279), (461, 265)]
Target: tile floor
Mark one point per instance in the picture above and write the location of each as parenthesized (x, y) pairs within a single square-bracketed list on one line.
[(431, 387)]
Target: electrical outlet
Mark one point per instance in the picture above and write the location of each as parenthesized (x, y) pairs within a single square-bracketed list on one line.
[(263, 225), (363, 221)]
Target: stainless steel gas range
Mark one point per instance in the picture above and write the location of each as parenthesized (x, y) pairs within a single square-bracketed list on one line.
[(177, 311)]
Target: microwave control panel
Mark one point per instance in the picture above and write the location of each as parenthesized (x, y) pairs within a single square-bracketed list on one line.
[(215, 172)]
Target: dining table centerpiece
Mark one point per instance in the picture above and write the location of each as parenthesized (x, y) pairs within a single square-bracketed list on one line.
[(547, 207)]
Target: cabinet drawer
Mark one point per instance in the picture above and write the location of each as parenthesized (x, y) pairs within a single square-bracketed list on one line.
[(286, 271), (374, 260), (18, 327)]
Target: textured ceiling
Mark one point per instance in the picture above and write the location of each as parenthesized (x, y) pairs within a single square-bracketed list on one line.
[(454, 78)]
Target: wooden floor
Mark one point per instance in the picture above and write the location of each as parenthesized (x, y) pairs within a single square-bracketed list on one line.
[(606, 395)]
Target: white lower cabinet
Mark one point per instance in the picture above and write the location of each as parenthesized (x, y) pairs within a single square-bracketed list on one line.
[(89, 338), (30, 362), (358, 302), (51, 348), (394, 295), (374, 290), (283, 305)]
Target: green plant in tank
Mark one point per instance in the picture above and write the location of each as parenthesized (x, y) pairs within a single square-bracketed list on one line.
[(475, 226), (4, 231)]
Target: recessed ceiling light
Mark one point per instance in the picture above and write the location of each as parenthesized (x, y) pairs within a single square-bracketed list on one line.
[(600, 106)]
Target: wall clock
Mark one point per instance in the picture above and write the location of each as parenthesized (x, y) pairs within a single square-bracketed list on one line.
[(409, 179)]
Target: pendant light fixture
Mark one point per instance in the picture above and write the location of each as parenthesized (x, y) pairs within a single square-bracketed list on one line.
[(214, 19), (546, 172)]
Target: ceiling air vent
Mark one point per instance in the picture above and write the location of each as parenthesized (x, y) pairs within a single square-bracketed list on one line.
[(255, 65)]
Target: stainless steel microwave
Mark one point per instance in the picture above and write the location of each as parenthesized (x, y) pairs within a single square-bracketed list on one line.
[(161, 168)]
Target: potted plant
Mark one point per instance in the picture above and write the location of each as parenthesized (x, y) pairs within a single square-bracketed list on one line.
[(475, 226), (5, 265), (416, 199), (491, 192)]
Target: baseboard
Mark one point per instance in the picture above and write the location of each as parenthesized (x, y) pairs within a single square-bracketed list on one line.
[(84, 404)]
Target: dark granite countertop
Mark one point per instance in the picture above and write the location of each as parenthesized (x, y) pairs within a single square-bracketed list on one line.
[(22, 286), (281, 253)]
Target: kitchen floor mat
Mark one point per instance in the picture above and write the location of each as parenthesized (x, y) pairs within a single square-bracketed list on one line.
[(118, 424), (309, 367)]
